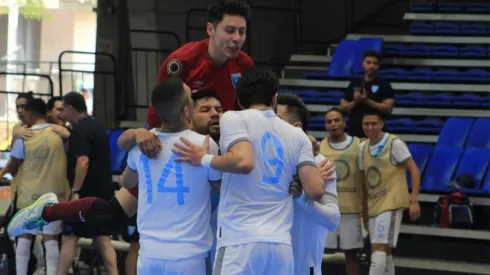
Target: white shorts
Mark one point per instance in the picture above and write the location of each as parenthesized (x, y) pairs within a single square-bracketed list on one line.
[(191, 266), (384, 228), (348, 235), (254, 259), (53, 228)]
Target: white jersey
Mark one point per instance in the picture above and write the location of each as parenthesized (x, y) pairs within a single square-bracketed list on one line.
[(308, 234), (174, 206), (257, 207)]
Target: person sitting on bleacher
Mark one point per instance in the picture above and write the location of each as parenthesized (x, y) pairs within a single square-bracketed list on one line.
[(371, 93), (39, 164), (385, 159)]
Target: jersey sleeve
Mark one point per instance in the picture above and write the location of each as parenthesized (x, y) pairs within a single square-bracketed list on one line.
[(361, 157), (17, 151), (132, 158), (399, 151), (306, 150), (213, 175), (233, 130)]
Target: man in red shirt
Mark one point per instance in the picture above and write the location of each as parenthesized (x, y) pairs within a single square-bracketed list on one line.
[(215, 63)]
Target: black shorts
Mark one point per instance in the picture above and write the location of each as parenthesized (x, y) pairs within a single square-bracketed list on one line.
[(85, 230), (131, 234)]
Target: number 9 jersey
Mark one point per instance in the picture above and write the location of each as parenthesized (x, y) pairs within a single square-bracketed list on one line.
[(174, 206), (257, 207)]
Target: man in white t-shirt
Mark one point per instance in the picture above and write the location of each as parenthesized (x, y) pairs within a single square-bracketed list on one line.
[(174, 197), (344, 151), (312, 220), (261, 153), (385, 159)]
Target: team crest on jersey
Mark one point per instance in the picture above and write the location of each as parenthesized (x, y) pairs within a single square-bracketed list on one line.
[(131, 230), (174, 67), (374, 89), (235, 78)]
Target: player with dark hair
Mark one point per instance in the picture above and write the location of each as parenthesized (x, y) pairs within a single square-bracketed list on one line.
[(370, 93), (39, 164), (55, 111), (215, 63), (385, 161), (312, 221), (255, 220)]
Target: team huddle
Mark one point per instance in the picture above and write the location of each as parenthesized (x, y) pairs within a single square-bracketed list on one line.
[(217, 124)]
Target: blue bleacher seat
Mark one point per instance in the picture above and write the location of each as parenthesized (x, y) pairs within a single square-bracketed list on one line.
[(474, 29), (446, 28), (455, 132), (117, 155), (417, 50), (445, 75), (479, 136), (422, 74), (399, 125), (317, 122), (441, 167), (421, 28), (428, 126), (343, 59), (478, 7), (330, 97), (393, 74), (393, 49), (450, 7), (410, 99), (474, 75), (444, 51), (422, 7), (472, 51), (474, 162), (440, 100), (467, 100), (421, 154)]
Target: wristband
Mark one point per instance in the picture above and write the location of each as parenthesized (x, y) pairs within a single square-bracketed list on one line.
[(206, 160), (75, 192)]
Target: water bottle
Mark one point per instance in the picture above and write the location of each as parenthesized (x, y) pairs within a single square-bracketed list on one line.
[(4, 265)]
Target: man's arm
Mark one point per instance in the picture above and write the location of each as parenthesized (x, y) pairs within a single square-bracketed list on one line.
[(80, 145), (325, 212), (309, 176), (348, 102), (17, 155), (386, 106), (403, 157), (239, 158)]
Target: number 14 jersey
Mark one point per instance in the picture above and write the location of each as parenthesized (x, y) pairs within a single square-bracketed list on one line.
[(257, 207), (174, 205)]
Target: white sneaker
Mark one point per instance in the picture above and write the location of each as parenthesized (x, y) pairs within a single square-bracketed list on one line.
[(29, 219)]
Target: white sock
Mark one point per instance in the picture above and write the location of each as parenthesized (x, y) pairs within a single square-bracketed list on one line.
[(52, 256), (390, 266), (22, 255), (38, 251), (378, 263)]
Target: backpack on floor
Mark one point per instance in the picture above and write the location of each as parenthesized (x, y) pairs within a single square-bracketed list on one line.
[(453, 211)]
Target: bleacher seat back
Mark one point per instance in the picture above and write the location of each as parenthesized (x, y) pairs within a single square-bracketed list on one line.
[(117, 155), (441, 167), (455, 131), (420, 154), (343, 59), (365, 44), (479, 136), (474, 162)]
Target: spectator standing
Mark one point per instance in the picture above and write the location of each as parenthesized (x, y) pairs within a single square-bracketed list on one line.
[(371, 93)]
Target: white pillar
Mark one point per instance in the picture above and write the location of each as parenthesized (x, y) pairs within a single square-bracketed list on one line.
[(12, 51)]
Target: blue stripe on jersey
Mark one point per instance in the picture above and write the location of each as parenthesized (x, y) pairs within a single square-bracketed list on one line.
[(214, 200)]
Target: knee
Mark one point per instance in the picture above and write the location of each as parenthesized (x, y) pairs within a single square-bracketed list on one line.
[(381, 248)]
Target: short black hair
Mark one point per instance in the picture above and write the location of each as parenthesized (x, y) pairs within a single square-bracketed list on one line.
[(216, 12), (372, 53), (206, 93), (37, 107), (379, 114), (169, 99), (76, 101), (334, 109), (296, 108), (27, 96), (257, 86), (52, 101)]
